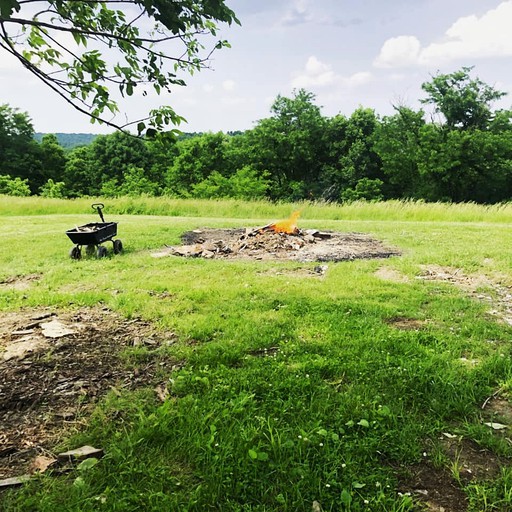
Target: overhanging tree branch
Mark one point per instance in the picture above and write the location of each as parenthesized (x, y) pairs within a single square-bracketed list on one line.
[(138, 32)]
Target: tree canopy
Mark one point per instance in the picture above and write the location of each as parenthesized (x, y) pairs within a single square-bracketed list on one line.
[(87, 52), (294, 154), (465, 102)]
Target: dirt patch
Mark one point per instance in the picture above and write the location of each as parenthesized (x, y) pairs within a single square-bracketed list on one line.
[(74, 358), (406, 324), (301, 272), (433, 486), (472, 462), (483, 288), (390, 274), (303, 246), (439, 489), (19, 283), (499, 409)]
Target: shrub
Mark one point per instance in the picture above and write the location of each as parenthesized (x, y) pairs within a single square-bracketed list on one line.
[(14, 186)]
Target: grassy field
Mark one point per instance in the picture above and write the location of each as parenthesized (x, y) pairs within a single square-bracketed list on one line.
[(297, 392)]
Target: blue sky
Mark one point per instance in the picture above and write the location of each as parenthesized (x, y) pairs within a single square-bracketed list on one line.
[(373, 53)]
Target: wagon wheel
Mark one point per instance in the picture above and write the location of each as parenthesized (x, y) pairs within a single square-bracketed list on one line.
[(101, 252), (90, 250), (118, 246), (75, 253)]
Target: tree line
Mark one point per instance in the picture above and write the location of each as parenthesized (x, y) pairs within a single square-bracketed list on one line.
[(461, 152)]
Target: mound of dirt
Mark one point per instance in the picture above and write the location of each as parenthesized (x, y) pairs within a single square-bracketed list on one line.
[(261, 244), (54, 366)]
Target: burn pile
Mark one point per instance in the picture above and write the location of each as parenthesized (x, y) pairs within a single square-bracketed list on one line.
[(281, 240)]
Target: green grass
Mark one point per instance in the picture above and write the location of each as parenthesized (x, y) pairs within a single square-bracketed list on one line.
[(345, 400)]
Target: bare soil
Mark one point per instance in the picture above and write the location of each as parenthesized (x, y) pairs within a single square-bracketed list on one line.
[(54, 366), (437, 488), (261, 244), (433, 486)]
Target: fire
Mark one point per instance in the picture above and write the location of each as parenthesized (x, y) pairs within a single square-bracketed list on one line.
[(287, 226)]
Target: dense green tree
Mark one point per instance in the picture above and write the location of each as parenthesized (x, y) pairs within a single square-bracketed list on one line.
[(291, 146), (19, 152), (137, 183), (351, 153), (397, 142), (79, 173), (113, 155), (246, 184), (462, 165), (53, 158), (465, 102), (115, 46), (197, 158)]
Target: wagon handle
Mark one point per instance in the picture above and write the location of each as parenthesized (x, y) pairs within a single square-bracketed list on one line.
[(98, 207)]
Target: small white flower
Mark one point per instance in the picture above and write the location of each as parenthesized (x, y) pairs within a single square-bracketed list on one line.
[(327, 485), (343, 465), (321, 444)]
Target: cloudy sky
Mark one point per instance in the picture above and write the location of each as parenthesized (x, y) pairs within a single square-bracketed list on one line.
[(349, 53)]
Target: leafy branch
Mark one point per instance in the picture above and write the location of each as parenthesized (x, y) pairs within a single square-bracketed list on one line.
[(114, 45)]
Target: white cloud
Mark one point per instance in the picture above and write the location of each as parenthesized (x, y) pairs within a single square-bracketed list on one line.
[(228, 85), (469, 37), (297, 14), (358, 79), (208, 88), (319, 74), (401, 51), (316, 73)]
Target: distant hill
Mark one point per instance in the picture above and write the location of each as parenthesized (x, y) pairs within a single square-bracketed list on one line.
[(70, 140)]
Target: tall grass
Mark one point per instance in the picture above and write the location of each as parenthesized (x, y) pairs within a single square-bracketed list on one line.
[(416, 211)]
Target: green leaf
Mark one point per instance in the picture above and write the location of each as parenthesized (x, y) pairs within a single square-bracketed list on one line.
[(141, 127), (363, 423), (7, 7), (357, 485), (345, 497), (262, 456), (87, 464), (384, 411), (253, 454), (79, 482)]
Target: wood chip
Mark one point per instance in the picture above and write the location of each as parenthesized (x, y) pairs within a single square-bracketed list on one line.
[(84, 452), (41, 463), (495, 426), (14, 481)]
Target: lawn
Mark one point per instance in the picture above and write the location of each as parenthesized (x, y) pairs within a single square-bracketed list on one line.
[(365, 387)]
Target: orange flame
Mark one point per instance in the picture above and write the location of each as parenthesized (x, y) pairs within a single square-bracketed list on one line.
[(287, 226)]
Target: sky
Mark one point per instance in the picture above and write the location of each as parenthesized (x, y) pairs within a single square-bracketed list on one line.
[(348, 53)]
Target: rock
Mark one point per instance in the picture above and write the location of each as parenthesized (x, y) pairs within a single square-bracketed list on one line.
[(21, 348), (56, 329)]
